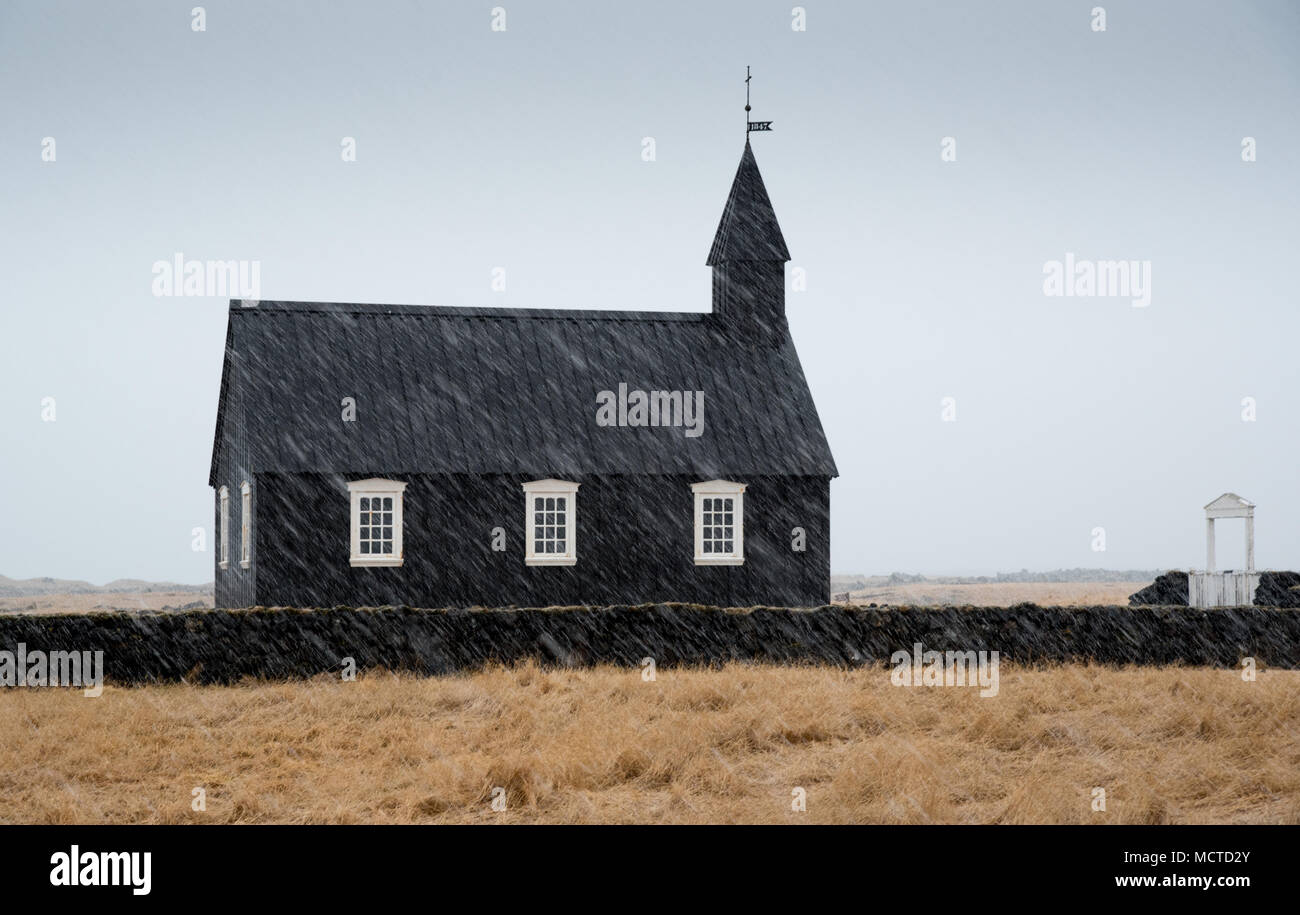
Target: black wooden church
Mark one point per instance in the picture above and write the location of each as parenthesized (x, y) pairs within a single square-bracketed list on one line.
[(440, 457)]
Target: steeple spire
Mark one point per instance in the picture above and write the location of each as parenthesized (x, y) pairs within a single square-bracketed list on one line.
[(748, 257), (748, 230)]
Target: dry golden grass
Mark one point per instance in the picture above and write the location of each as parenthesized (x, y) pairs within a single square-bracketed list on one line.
[(602, 745)]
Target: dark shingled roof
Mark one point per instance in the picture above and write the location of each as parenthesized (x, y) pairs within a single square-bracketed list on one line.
[(748, 230), (485, 390), (482, 390)]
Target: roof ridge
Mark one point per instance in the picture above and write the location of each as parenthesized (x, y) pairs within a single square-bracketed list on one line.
[(237, 306)]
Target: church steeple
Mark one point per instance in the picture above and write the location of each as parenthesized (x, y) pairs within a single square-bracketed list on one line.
[(748, 230), (749, 254)]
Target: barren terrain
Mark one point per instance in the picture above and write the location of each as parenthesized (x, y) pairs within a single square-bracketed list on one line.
[(1181, 745), (92, 602), (1001, 594), (921, 594)]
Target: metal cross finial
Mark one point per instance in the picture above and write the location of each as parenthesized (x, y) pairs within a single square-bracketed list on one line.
[(751, 126)]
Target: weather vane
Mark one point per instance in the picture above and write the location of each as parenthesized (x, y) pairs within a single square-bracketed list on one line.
[(752, 125)]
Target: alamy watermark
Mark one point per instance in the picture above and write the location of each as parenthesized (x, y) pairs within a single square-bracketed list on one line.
[(1115, 279), (53, 668), (682, 409), (189, 277), (946, 668), (103, 868)]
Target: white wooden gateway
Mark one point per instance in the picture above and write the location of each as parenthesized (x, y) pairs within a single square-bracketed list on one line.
[(1234, 588)]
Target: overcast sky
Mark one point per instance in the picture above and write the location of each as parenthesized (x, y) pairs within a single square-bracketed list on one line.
[(523, 149)]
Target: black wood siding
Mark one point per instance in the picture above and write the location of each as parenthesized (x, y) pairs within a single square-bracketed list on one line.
[(235, 586), (635, 545)]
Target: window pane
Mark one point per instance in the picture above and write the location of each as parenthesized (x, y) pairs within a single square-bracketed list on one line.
[(539, 504), (539, 518), (559, 546), (726, 546), (726, 532), (550, 505), (708, 546), (365, 546), (388, 503), (388, 533), (388, 546), (365, 504), (550, 547), (550, 533), (559, 532), (537, 533)]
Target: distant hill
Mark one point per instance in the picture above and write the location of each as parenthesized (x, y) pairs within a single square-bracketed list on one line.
[(854, 582), (38, 587)]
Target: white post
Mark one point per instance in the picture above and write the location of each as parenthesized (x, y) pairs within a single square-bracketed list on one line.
[(1209, 544), (1250, 543)]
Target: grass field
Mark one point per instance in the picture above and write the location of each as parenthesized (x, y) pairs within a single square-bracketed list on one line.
[(604, 745)]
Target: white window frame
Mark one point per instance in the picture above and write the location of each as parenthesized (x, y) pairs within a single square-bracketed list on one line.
[(245, 525), (223, 500), (725, 489), (542, 489), (375, 487)]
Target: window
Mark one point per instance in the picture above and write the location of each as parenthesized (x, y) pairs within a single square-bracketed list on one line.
[(719, 523), (551, 523), (245, 523), (223, 497), (376, 522)]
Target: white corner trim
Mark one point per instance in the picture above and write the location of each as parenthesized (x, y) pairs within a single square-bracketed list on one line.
[(245, 525), (223, 523)]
